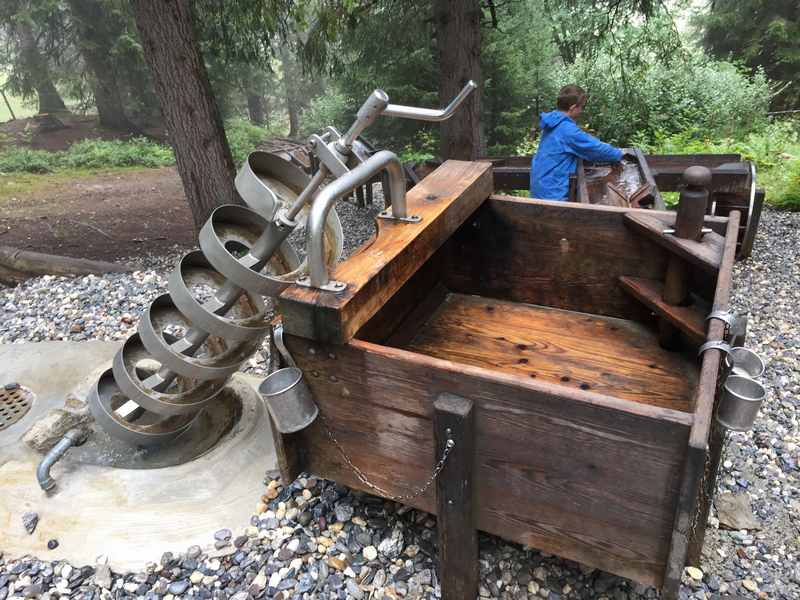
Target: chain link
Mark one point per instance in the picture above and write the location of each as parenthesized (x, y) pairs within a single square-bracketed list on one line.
[(448, 447)]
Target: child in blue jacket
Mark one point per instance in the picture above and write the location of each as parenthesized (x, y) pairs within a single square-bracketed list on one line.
[(562, 143)]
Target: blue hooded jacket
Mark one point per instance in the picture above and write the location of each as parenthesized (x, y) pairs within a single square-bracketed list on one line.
[(562, 143)]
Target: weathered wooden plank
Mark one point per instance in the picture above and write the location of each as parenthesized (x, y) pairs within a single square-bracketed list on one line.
[(705, 254), (689, 319), (409, 304), (650, 180), (611, 356), (454, 422), (444, 200), (561, 254), (688, 506), (573, 472)]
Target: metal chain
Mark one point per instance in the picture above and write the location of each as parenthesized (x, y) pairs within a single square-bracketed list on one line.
[(448, 447)]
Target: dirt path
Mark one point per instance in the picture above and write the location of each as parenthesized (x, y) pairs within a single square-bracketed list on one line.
[(107, 216)]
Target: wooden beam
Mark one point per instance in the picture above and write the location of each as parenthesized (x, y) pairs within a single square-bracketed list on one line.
[(706, 253), (443, 200), (686, 511), (689, 319), (454, 422)]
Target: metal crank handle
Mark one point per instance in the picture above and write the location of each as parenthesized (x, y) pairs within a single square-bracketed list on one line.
[(430, 114)]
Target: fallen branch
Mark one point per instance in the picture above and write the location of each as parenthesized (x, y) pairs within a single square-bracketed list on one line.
[(18, 265)]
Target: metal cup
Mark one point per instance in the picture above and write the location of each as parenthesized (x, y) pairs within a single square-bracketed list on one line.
[(745, 363), (741, 399), (289, 399)]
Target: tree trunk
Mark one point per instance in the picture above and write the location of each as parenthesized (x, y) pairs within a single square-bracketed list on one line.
[(255, 108), (190, 111), (92, 24), (290, 89), (39, 72), (458, 38)]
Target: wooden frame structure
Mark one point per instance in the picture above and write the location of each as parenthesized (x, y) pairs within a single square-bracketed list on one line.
[(730, 189), (529, 330)]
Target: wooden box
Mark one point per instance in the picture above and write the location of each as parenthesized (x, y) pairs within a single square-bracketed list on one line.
[(590, 438)]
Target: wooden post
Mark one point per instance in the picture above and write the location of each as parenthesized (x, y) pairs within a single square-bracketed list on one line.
[(716, 443), (458, 539), (688, 225)]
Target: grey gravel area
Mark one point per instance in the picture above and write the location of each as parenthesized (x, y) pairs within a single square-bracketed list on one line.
[(316, 539)]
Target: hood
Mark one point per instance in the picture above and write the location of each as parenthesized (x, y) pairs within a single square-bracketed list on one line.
[(551, 120)]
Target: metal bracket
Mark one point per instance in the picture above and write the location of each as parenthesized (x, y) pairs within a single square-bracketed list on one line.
[(715, 345), (387, 214), (331, 286), (704, 230), (726, 317), (328, 156), (277, 337)]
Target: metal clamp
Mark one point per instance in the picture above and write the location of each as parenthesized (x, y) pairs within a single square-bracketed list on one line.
[(715, 345), (330, 286), (671, 231), (388, 215), (725, 316)]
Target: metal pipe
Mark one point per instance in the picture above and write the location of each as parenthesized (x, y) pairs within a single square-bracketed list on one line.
[(430, 114), (73, 437), (369, 111), (360, 175), (307, 192)]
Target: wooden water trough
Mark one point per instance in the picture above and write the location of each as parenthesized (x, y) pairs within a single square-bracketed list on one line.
[(733, 185), (554, 344)]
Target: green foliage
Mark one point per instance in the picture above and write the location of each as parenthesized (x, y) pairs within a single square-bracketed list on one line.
[(690, 93), (244, 137), (424, 146), (330, 108), (87, 154), (774, 148), (100, 154), (764, 34), (18, 160)]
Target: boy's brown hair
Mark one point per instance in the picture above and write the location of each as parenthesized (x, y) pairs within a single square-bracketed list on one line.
[(570, 95)]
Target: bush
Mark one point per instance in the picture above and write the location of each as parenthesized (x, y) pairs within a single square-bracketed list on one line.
[(693, 94), (787, 190), (330, 108), (243, 138), (87, 154), (774, 148), (100, 154), (19, 160)]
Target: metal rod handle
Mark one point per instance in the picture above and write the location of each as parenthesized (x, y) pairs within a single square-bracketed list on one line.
[(430, 114), (318, 270)]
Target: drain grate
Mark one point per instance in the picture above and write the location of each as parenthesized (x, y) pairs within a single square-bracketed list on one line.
[(14, 404)]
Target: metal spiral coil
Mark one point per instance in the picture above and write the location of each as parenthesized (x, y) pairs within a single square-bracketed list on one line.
[(214, 317)]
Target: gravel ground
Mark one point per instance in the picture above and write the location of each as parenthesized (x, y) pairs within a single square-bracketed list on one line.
[(316, 539)]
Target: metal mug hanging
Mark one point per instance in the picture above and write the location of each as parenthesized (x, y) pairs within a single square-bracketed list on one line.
[(744, 362), (287, 395), (741, 399)]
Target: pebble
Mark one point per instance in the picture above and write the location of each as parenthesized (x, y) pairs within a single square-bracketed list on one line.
[(694, 573), (29, 521), (178, 587), (52, 544), (370, 553)]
